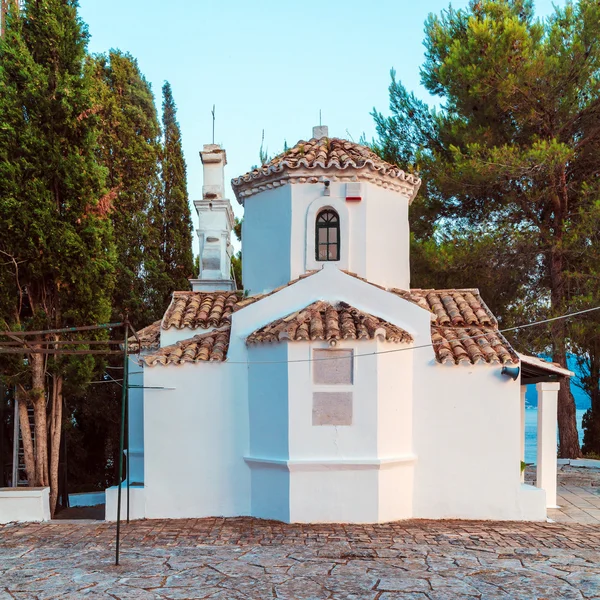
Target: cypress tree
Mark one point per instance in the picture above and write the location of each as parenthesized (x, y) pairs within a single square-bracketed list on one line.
[(130, 151), (55, 234), (176, 242)]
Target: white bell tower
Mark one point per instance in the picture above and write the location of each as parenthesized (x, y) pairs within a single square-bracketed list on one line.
[(215, 222)]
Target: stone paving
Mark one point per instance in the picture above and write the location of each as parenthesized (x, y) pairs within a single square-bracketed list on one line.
[(578, 494), (231, 559)]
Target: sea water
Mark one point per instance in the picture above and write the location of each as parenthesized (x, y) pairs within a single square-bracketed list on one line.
[(531, 432)]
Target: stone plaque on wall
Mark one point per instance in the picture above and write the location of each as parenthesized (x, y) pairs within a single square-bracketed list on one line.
[(332, 408), (332, 367)]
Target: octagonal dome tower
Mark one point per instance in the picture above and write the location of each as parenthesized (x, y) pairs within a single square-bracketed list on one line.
[(326, 200)]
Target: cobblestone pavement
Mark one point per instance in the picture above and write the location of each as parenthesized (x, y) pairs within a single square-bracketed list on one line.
[(231, 559)]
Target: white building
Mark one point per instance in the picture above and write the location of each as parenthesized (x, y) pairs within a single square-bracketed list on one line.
[(330, 391)]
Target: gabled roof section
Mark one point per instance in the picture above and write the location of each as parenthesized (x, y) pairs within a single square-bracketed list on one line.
[(325, 321), (312, 159), (207, 347), (149, 338), (463, 329), (200, 309), (472, 345), (203, 310), (455, 308)]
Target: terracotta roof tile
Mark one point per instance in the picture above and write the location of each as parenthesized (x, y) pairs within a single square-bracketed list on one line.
[(324, 154), (463, 329), (206, 347), (471, 345), (149, 338), (200, 309), (325, 321), (453, 307)]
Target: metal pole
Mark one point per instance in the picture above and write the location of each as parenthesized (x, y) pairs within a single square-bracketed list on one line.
[(2, 457), (128, 471), (16, 430), (122, 441)]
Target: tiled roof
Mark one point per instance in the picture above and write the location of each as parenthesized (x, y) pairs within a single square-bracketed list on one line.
[(324, 154), (471, 345), (325, 321), (200, 309), (149, 338), (453, 307), (210, 347), (463, 329), (203, 310)]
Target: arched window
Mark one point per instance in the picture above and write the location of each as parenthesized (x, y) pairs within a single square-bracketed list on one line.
[(327, 233)]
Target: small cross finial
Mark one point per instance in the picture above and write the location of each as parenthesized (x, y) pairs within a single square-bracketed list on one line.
[(213, 117)]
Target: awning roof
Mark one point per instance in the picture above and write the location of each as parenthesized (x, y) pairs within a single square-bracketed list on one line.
[(535, 370)]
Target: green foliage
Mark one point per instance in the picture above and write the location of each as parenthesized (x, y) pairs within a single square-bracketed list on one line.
[(175, 217), (129, 148), (514, 147), (55, 238)]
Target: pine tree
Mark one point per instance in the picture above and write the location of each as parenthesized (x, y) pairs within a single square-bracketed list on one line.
[(175, 217), (517, 139), (55, 231)]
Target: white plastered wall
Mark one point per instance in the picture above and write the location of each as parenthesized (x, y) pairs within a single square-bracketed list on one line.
[(374, 232), (266, 240), (467, 439), (196, 436), (361, 472), (268, 423), (343, 473), (462, 441), (279, 232)]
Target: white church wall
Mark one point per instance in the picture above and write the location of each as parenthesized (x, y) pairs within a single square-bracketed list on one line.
[(329, 442), (374, 232), (333, 468), (136, 422), (266, 240), (307, 201), (195, 439), (279, 227), (269, 426), (466, 438), (267, 401), (333, 494), (387, 244), (395, 430)]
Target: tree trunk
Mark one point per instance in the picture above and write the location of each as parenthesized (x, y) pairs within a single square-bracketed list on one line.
[(55, 434), (28, 449), (567, 418), (38, 399)]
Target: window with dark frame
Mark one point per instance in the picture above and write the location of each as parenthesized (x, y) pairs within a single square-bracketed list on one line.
[(327, 233)]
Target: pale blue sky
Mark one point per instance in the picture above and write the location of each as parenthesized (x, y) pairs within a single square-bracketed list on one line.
[(268, 65)]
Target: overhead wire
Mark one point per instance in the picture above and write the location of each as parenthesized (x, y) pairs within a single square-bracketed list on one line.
[(421, 346)]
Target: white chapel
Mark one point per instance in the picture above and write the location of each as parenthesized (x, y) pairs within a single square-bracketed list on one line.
[(328, 390)]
